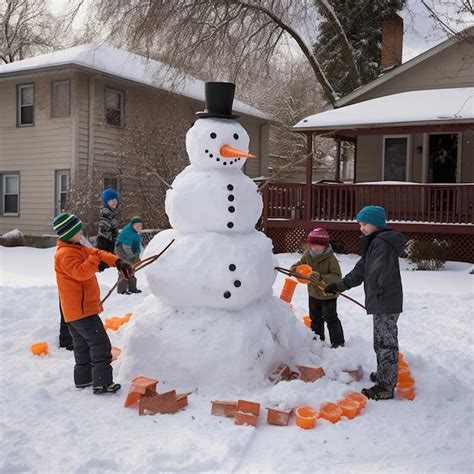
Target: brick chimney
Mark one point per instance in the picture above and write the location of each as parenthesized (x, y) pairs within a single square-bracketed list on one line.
[(392, 41)]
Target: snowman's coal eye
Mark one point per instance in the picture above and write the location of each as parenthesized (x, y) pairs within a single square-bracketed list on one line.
[(213, 135), (236, 136)]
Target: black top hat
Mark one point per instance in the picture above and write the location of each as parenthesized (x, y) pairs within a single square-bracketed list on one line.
[(219, 99)]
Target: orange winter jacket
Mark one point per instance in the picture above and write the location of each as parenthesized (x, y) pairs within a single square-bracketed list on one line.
[(75, 267)]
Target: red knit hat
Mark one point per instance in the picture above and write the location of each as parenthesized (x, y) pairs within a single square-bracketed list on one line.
[(318, 236)]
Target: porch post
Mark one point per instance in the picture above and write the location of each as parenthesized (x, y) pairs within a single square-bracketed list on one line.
[(309, 177)]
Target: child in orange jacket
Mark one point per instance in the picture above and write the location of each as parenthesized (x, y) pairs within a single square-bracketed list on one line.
[(75, 266)]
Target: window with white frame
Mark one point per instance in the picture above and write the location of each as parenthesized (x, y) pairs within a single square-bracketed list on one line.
[(25, 105), (396, 158), (10, 194), (114, 105), (62, 190), (60, 99)]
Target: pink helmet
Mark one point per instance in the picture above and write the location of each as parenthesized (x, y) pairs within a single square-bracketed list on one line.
[(318, 236)]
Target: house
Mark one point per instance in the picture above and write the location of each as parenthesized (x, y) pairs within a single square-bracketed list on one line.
[(63, 114), (413, 132)]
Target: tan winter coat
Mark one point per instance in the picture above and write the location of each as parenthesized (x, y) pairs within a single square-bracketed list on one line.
[(326, 264)]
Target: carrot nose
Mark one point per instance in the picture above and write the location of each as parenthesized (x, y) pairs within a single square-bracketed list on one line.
[(227, 151)]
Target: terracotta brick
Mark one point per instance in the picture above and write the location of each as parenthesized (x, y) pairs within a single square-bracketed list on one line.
[(310, 374), (282, 372), (248, 407), (242, 418), (356, 374), (163, 403), (278, 417), (223, 408)]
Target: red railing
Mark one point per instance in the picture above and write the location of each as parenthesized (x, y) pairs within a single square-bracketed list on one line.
[(427, 203)]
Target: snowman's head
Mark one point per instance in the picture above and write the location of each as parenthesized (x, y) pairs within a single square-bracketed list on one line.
[(214, 143)]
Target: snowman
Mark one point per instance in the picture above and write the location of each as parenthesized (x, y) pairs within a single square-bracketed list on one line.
[(212, 319)]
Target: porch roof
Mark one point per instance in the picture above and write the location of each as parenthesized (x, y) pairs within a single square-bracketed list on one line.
[(445, 108)]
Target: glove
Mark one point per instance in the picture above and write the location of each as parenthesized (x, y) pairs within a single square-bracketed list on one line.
[(331, 288), (102, 266), (124, 268)]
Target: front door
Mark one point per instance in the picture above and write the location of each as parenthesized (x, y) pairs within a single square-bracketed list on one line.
[(443, 158)]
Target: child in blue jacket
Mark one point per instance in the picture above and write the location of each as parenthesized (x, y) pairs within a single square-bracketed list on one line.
[(128, 248)]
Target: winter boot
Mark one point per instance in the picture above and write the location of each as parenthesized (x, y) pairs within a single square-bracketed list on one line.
[(378, 393), (334, 345), (84, 385), (135, 291), (373, 376), (111, 388)]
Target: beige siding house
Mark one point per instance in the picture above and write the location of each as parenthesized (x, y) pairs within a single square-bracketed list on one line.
[(63, 114)]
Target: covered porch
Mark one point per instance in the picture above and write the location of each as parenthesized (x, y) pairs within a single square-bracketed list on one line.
[(420, 208)]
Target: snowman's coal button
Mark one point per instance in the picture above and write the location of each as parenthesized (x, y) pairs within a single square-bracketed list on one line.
[(225, 163), (227, 295), (230, 225), (213, 135), (211, 155), (231, 197), (232, 267), (237, 283), (206, 151), (231, 209), (230, 187)]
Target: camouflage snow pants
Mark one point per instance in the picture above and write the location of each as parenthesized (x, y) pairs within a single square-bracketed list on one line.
[(386, 349)]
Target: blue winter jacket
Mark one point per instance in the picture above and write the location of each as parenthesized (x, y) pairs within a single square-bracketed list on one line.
[(130, 239)]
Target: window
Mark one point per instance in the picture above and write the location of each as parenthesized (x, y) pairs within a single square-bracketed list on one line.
[(114, 107), (60, 99), (110, 183), (25, 105), (62, 190), (10, 194), (396, 159)]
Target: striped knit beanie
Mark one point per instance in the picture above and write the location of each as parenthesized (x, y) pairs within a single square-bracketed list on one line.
[(135, 220), (374, 215), (66, 225)]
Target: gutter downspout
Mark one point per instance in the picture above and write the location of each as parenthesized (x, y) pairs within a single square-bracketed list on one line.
[(90, 146)]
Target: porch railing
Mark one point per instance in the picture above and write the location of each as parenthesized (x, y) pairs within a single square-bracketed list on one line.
[(427, 203)]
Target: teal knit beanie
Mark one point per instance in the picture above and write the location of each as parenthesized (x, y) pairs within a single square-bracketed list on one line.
[(374, 215), (135, 220)]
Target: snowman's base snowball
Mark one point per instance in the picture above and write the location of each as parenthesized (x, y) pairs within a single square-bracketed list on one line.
[(210, 349)]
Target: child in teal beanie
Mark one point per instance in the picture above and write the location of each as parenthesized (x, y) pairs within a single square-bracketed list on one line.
[(128, 248), (379, 270)]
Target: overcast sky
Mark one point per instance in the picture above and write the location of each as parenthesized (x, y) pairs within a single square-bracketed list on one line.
[(420, 30)]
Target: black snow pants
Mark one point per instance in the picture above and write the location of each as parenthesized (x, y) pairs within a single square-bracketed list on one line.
[(65, 338), (92, 352), (386, 349), (325, 311)]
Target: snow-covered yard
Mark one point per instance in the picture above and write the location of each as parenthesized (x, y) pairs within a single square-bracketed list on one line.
[(48, 426)]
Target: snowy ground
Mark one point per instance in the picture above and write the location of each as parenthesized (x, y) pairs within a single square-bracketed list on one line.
[(48, 426)]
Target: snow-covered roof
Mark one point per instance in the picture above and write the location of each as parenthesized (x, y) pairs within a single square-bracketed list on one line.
[(124, 65), (406, 108), (392, 73)]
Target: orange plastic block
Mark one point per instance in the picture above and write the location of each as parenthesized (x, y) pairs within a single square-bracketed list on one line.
[(310, 374), (113, 323), (307, 321), (282, 372), (304, 270), (39, 348), (278, 417), (350, 408), (140, 386), (242, 418), (359, 398), (402, 363), (406, 390), (223, 408), (248, 407), (404, 374), (115, 353), (306, 417), (330, 412), (288, 290)]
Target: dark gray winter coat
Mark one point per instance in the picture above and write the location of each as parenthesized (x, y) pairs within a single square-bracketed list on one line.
[(379, 270), (108, 223)]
